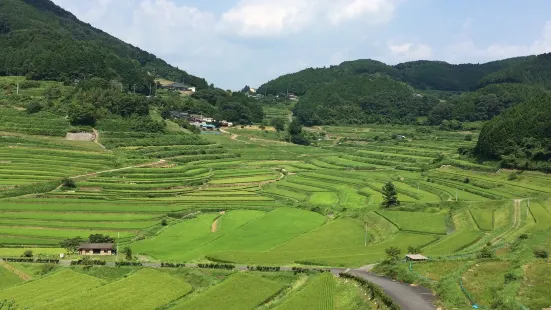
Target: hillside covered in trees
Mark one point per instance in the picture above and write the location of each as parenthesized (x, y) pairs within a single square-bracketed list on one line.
[(42, 41), (521, 136), (423, 75), (362, 99)]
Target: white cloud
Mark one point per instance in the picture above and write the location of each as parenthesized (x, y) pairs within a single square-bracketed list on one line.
[(265, 18), (467, 50), (375, 11), (543, 45), (410, 51)]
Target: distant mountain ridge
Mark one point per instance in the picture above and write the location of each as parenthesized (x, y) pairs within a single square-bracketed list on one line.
[(422, 74), (43, 41)]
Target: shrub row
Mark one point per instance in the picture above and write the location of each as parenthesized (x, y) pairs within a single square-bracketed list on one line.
[(93, 262), (263, 268), (172, 265), (308, 270), (31, 260), (217, 266), (376, 291), (119, 264)]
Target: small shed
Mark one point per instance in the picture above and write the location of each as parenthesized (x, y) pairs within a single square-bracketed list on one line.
[(416, 258), (97, 249)]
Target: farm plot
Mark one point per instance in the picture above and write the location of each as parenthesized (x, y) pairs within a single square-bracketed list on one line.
[(240, 291), (319, 294), (417, 221), (179, 240), (146, 289), (350, 256), (484, 218), (240, 230), (541, 216), (484, 279), (325, 199), (534, 290), (51, 289), (454, 243)]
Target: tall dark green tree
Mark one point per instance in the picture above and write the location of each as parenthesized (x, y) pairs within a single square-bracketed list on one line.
[(390, 196)]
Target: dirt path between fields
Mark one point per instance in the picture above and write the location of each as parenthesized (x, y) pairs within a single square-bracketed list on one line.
[(514, 226), (96, 140), (19, 273)]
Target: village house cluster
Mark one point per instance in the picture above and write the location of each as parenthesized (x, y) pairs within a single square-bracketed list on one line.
[(200, 121)]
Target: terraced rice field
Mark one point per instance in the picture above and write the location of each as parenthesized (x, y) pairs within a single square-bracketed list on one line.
[(146, 289), (240, 291), (51, 289), (250, 200), (318, 294)]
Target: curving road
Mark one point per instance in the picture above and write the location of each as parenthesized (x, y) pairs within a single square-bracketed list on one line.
[(406, 296)]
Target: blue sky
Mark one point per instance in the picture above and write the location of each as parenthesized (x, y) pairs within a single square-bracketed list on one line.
[(232, 43)]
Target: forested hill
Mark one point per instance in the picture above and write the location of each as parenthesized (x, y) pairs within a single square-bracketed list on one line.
[(537, 71), (521, 136), (423, 75), (43, 41)]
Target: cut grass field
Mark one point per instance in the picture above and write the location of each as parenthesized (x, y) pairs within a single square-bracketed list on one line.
[(240, 291)]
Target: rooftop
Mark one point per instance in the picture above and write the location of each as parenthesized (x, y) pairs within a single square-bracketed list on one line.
[(96, 246), (416, 257)]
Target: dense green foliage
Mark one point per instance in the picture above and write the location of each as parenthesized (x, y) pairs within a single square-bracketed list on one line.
[(425, 75), (362, 99), (42, 41), (533, 71), (483, 104), (521, 136)]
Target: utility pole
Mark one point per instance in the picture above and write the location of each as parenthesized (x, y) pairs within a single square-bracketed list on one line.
[(17, 82), (417, 188), (456, 194), (365, 237), (149, 89), (118, 236)]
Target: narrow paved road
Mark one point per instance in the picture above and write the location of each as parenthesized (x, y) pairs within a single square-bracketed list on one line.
[(406, 296)]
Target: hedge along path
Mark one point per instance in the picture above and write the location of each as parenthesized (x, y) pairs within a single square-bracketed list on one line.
[(516, 223), (19, 273)]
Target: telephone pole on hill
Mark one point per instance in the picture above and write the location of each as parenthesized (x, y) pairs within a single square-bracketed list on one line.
[(118, 236), (365, 237)]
